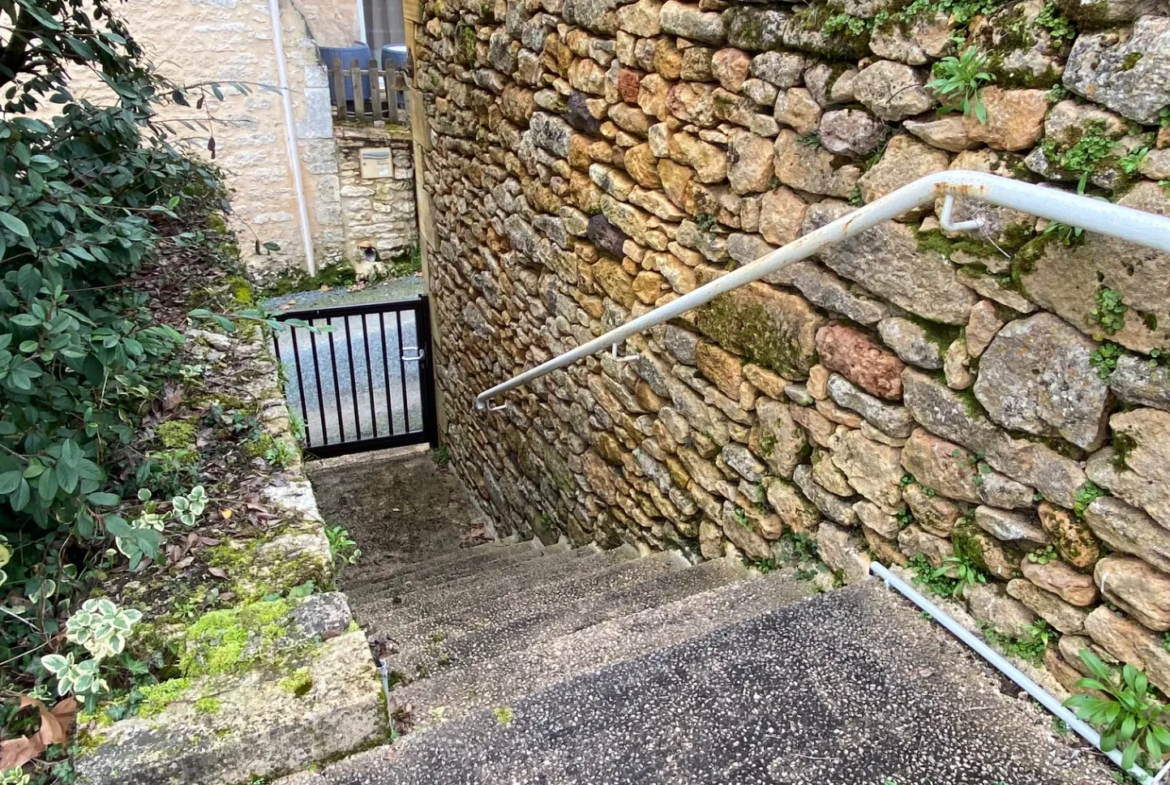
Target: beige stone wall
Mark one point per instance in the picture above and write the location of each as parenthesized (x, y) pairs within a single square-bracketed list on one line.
[(998, 402), (225, 41), (379, 212)]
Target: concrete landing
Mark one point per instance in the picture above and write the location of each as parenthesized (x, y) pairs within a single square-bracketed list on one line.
[(399, 506), (847, 688)]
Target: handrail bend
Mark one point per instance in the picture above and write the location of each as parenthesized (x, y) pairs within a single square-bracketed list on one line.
[(1093, 215)]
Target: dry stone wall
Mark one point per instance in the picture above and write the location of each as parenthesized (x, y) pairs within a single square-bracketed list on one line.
[(999, 401)]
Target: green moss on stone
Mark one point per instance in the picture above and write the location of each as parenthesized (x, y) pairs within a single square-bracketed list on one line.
[(208, 705), (156, 697), (176, 434), (226, 641), (744, 325), (298, 683)]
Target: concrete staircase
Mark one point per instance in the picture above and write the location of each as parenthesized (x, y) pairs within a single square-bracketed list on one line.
[(522, 663)]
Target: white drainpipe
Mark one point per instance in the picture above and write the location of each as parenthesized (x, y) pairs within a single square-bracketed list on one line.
[(290, 136), (362, 23)]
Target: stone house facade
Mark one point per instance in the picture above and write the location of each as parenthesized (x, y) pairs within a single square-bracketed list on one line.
[(231, 41), (999, 402)]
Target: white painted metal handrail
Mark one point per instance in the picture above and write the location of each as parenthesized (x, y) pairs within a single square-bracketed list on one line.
[(1003, 666), (1093, 215)]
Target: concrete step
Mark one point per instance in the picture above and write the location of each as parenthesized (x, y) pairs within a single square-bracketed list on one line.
[(512, 622), (494, 576), (607, 600), (500, 680), (490, 584), (444, 567), (852, 687)]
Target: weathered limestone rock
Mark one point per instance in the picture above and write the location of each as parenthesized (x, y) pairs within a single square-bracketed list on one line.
[(986, 551), (1037, 377), (905, 160), (859, 359), (750, 169), (912, 342), (944, 412), (1126, 70), (811, 168), (1074, 540), (914, 540), (982, 327), (781, 69), (1137, 467), (892, 420), (1009, 526), (887, 261), (941, 466), (957, 366), (777, 438), (1058, 578), (781, 213), (873, 469), (844, 552), (949, 132), (924, 38), (1015, 118), (1136, 588), (990, 604), (1137, 381), (881, 522), (826, 474), (1129, 530), (825, 289), (797, 108), (749, 542), (770, 328), (798, 513), (851, 132), (819, 428), (341, 710), (936, 514), (688, 21), (640, 18), (1129, 642), (730, 67), (708, 161), (721, 368), (1063, 617), (833, 507), (1066, 281), (892, 91)]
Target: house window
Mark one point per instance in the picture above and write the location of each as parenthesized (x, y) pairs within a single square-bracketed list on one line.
[(383, 23)]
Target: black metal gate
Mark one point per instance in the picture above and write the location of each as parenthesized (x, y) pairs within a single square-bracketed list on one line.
[(367, 384)]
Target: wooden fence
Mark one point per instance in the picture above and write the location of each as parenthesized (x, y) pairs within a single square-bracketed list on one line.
[(385, 99)]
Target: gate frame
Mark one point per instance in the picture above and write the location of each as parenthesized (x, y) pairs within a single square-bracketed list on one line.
[(422, 320)]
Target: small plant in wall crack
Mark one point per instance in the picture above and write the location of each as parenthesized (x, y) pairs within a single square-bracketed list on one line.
[(1104, 358), (1043, 557), (1109, 311), (961, 78), (344, 549), (1130, 719)]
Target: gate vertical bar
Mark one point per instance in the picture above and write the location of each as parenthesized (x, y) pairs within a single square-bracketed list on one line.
[(386, 373), (369, 375), (336, 383), (402, 370), (353, 389), (300, 383), (426, 370), (320, 395)]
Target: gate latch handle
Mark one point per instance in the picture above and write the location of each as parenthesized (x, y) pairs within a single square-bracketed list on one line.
[(421, 354)]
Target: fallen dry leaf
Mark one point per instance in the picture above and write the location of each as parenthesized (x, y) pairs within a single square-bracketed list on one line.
[(217, 572), (226, 513), (14, 753)]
